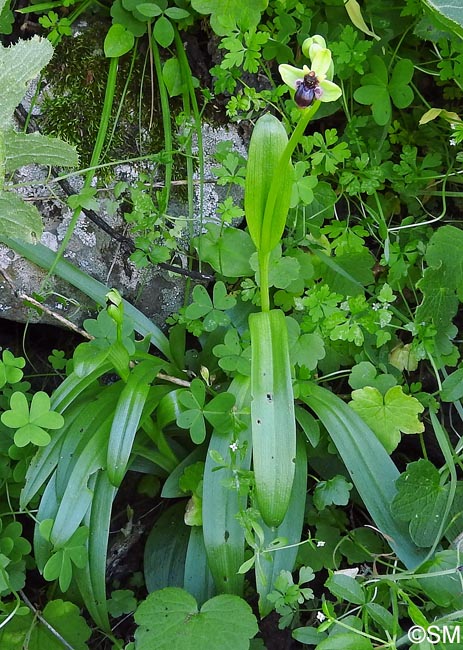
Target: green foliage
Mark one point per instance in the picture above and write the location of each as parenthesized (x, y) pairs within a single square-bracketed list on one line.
[(74, 552), (388, 415), (31, 421), (171, 615)]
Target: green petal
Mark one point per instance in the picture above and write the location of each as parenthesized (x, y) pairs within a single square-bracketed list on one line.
[(331, 92), (290, 74), (321, 60)]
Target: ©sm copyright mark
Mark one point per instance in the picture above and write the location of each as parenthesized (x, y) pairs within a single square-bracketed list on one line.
[(434, 634), (416, 634)]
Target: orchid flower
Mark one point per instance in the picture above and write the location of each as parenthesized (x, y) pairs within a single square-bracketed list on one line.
[(315, 82)]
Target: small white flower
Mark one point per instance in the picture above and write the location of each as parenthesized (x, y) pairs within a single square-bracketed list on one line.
[(452, 142), (234, 446), (321, 617), (320, 543)]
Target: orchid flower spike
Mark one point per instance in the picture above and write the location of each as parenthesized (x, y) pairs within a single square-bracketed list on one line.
[(314, 82)]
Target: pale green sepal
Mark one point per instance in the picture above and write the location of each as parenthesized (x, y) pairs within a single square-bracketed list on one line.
[(290, 74), (321, 60), (331, 92)]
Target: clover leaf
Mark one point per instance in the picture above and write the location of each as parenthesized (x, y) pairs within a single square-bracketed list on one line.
[(170, 618), (378, 90), (32, 421), (10, 368), (231, 355), (217, 411), (388, 415), (212, 311), (73, 552)]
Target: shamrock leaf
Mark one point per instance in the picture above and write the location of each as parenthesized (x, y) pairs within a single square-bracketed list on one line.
[(388, 415), (335, 491), (31, 422), (170, 618), (420, 500), (73, 552), (217, 411), (377, 90), (365, 374), (231, 356), (10, 368), (211, 310)]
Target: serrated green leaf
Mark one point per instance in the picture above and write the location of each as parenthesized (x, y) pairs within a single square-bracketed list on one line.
[(18, 218), (27, 148), (388, 415), (170, 617), (19, 64)]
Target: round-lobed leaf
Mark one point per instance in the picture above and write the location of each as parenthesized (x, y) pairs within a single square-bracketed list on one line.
[(169, 618)]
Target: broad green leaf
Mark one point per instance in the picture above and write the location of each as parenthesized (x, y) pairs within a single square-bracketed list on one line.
[(226, 13), (452, 387), (170, 618), (27, 148), (442, 281), (346, 588), (163, 31), (118, 41), (62, 616), (421, 500), (266, 223), (357, 445), (345, 641), (165, 549), (19, 64), (334, 491), (172, 75), (443, 588), (388, 415), (449, 12), (382, 616), (18, 218), (227, 250)]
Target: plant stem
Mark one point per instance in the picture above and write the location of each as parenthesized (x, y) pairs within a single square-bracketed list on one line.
[(264, 260), (167, 128), (97, 149)]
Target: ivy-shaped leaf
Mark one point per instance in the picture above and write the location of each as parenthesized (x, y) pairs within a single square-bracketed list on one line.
[(388, 415), (170, 618), (62, 616), (32, 421), (335, 491), (420, 500)]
